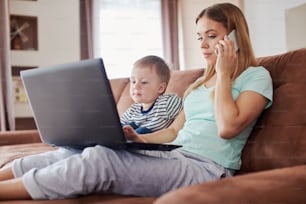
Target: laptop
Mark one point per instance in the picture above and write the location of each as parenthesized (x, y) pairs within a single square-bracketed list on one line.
[(73, 106)]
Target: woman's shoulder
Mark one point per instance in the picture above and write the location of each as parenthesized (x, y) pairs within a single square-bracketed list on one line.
[(255, 72), (254, 77)]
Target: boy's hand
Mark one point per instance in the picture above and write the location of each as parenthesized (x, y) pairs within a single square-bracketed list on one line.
[(131, 134)]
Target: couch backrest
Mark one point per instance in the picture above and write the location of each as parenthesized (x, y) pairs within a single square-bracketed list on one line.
[(279, 138), (179, 82)]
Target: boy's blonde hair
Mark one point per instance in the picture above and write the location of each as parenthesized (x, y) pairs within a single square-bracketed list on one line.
[(156, 63)]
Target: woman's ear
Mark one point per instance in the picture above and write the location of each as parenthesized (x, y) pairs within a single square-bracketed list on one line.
[(162, 87)]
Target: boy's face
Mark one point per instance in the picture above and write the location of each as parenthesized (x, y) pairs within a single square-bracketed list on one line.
[(145, 86)]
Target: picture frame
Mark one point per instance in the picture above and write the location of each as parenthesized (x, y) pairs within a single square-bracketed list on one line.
[(23, 32), (16, 69)]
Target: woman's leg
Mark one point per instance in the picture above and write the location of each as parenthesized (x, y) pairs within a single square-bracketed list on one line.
[(38, 161), (6, 173), (100, 169), (24, 164), (13, 189)]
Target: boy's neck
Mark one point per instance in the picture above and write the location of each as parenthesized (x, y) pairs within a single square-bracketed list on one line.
[(147, 106)]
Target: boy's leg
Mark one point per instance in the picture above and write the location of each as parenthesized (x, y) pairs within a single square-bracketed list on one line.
[(13, 189)]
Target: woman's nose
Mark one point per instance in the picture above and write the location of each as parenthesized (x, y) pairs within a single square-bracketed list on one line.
[(204, 44)]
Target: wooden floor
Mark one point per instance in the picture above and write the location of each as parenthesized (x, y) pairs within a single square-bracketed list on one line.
[(25, 123)]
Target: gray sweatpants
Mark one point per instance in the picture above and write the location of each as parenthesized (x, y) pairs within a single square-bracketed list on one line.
[(67, 173)]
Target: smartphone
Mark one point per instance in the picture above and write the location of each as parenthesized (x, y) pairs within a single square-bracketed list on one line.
[(232, 36)]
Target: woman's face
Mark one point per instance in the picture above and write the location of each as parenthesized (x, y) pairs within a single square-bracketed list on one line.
[(209, 33)]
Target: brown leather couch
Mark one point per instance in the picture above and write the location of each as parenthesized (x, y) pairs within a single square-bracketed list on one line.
[(274, 158)]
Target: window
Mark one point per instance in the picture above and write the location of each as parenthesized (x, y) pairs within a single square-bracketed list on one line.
[(126, 30)]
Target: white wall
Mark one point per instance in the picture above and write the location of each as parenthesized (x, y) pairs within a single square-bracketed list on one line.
[(295, 32), (58, 31), (266, 20), (58, 36)]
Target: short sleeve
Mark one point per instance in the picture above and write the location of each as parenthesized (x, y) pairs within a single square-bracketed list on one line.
[(256, 79)]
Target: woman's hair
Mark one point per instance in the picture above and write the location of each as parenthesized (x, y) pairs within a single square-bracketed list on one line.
[(156, 63), (231, 17)]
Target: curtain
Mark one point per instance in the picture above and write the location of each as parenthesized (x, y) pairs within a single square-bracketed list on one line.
[(7, 119), (170, 32), (86, 26)]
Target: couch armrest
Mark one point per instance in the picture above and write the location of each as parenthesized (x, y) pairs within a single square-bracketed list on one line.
[(286, 185), (19, 137)]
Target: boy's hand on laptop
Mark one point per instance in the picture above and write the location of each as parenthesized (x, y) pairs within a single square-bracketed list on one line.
[(131, 134)]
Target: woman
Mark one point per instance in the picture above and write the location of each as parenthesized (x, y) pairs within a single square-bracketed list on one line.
[(220, 110)]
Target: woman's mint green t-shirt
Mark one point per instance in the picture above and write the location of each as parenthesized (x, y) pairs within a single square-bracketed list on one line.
[(199, 134)]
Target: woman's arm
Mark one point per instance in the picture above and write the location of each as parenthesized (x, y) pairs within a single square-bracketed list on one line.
[(162, 136), (233, 116)]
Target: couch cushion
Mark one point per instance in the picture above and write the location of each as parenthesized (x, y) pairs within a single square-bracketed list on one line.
[(118, 85), (179, 82), (279, 138), (125, 100)]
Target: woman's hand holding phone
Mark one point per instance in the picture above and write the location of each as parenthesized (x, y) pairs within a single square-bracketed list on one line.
[(232, 36), (227, 58)]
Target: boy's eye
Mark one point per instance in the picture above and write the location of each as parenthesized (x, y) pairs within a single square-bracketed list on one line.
[(144, 82), (200, 38)]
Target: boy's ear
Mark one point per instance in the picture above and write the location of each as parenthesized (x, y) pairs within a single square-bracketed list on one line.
[(162, 87)]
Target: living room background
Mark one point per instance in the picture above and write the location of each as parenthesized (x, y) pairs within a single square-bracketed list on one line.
[(58, 31)]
